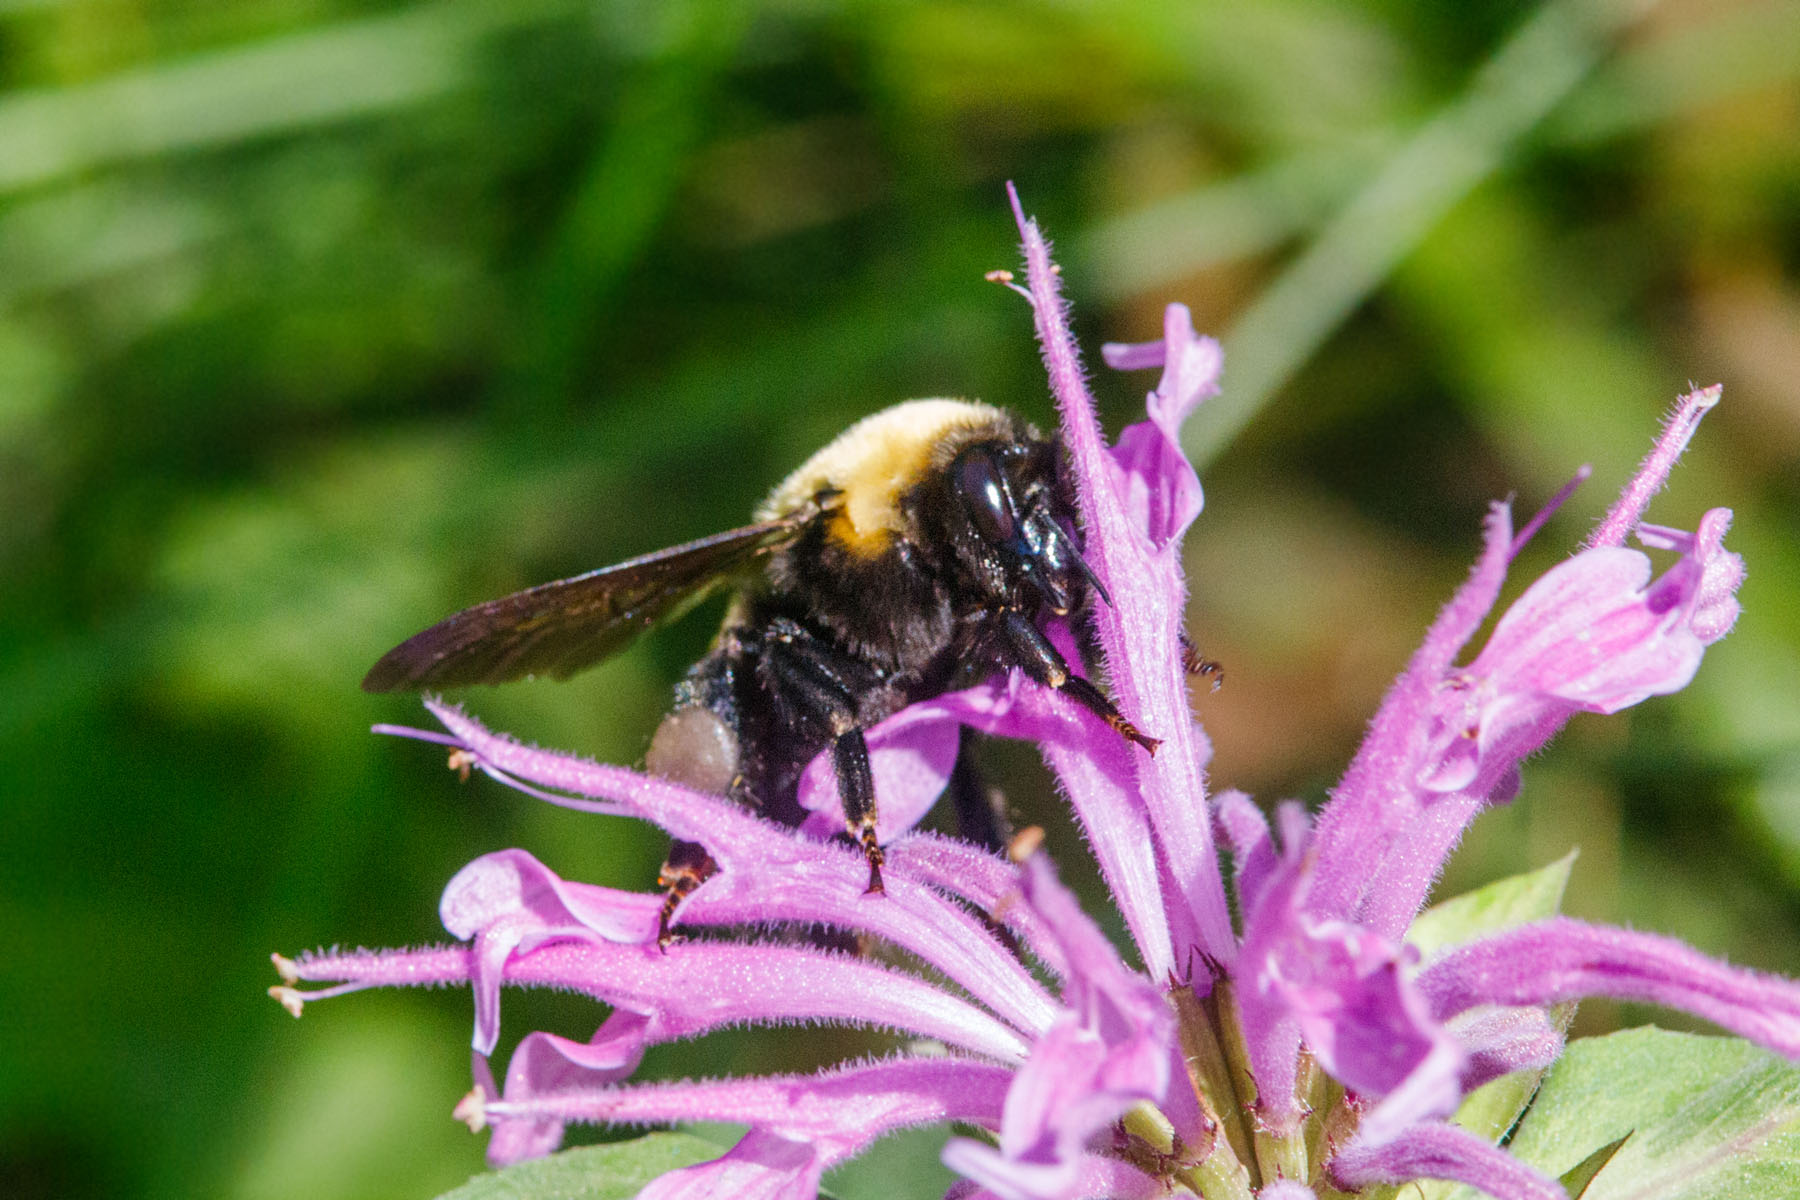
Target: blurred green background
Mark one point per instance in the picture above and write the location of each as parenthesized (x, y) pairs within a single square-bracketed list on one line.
[(321, 319)]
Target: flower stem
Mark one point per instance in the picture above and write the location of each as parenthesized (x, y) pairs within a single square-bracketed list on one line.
[(1215, 1178), (1278, 1154), (1211, 1074), (1341, 1118)]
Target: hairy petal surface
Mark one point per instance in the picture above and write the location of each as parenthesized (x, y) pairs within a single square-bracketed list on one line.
[(508, 900), (1343, 992), (691, 989), (801, 1125), (749, 983), (1565, 959), (1378, 799), (544, 1064), (1109, 1049), (1092, 766), (1097, 1177), (1595, 634), (771, 874), (353, 970), (1162, 492), (1139, 632), (1437, 1151), (1499, 1041), (1653, 472)]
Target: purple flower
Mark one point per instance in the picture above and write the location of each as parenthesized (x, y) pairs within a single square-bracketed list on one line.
[(1107, 1050), (1306, 1046), (1596, 633), (1344, 992)]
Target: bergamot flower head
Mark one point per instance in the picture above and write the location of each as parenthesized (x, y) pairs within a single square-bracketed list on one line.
[(1301, 1048)]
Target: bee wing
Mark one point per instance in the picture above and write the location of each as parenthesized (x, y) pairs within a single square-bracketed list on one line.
[(559, 628)]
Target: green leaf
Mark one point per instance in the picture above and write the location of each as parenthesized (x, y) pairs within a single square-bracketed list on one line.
[(1575, 1180), (1515, 900), (615, 1171), (913, 1155), (1709, 1118)]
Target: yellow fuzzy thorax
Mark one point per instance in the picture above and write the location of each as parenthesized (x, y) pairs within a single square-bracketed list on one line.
[(873, 462)]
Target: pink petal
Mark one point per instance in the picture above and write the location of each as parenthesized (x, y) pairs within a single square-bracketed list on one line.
[(1563, 959), (1138, 634), (1442, 1152)]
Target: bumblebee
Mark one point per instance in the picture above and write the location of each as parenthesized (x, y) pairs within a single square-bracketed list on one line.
[(918, 552)]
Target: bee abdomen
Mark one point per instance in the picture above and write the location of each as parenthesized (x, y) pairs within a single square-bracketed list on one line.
[(694, 746)]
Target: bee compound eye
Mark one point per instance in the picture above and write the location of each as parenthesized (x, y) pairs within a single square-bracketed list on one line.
[(977, 478)]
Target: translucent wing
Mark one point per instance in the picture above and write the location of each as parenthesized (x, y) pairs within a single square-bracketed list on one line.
[(558, 628)]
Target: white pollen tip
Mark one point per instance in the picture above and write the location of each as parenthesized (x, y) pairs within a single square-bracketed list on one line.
[(471, 1110), (1025, 843)]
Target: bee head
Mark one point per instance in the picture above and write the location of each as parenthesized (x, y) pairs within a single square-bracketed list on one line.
[(1008, 492)]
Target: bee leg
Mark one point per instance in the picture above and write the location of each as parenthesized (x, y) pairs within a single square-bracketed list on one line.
[(1033, 653), (1195, 663), (856, 790), (820, 686), (687, 867), (980, 810), (981, 818)]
